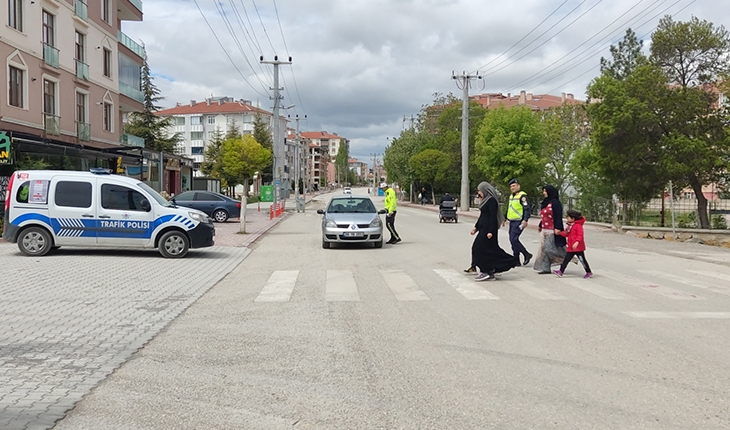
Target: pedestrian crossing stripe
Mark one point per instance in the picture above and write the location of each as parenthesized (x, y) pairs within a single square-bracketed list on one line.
[(650, 286), (691, 282), (340, 286), (403, 287), (679, 315), (467, 287)]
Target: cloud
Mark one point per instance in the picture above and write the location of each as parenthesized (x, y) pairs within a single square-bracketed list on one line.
[(359, 66)]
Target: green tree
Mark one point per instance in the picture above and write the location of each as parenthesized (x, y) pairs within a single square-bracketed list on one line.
[(626, 57), (695, 144), (510, 144), (690, 53), (262, 134), (146, 124), (342, 163), (211, 166), (565, 131), (431, 166), (241, 158)]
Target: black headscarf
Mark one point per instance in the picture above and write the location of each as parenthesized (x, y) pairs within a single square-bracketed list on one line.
[(552, 195)]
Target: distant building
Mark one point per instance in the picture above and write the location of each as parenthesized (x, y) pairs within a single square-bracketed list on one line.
[(535, 102), (323, 148), (197, 122)]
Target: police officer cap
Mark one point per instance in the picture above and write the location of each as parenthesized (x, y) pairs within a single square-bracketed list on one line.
[(514, 181), (383, 185)]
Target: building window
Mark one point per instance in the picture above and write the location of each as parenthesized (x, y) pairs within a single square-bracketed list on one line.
[(16, 89), (211, 119), (15, 14), (80, 47), (108, 117), (49, 22), (197, 150), (179, 120), (106, 11), (196, 120), (211, 135), (49, 97), (196, 135), (107, 63), (80, 107)]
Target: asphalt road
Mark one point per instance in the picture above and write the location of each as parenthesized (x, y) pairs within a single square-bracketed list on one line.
[(297, 336)]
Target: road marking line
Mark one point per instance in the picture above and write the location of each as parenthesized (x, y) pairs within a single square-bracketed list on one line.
[(279, 287), (679, 315), (648, 286), (690, 282), (467, 286), (340, 287), (532, 289), (716, 275), (403, 286), (592, 287)]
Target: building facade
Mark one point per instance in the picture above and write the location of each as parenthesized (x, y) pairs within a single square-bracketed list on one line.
[(533, 101), (198, 122), (323, 148), (70, 78)]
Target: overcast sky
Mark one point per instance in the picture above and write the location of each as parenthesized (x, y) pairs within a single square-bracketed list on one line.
[(360, 66)]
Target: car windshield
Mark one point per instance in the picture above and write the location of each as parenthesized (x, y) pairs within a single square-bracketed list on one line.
[(354, 205), (154, 194)]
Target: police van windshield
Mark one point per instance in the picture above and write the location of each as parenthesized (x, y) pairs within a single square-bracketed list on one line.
[(155, 195)]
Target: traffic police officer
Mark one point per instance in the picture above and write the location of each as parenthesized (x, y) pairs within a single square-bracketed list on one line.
[(390, 206), (518, 212)]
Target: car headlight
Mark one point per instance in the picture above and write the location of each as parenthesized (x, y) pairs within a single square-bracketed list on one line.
[(376, 222), (196, 216), (330, 223)]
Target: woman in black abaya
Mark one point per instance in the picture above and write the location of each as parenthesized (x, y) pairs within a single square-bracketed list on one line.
[(486, 254)]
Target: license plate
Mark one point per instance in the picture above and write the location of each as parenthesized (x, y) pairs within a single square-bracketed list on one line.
[(352, 234)]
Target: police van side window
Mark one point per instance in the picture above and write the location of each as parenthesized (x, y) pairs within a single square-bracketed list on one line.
[(23, 190), (117, 197), (73, 194)]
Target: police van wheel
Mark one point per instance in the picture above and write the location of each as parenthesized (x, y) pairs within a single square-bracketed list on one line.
[(220, 215), (35, 241), (173, 244)]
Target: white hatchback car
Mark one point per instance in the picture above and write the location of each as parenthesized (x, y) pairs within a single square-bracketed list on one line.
[(351, 219), (347, 190)]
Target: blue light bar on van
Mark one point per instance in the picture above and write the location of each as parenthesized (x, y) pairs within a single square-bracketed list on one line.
[(100, 171)]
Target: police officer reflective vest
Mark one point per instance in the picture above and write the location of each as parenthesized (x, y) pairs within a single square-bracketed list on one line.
[(515, 210)]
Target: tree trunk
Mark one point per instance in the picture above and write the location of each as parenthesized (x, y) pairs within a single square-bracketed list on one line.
[(244, 204), (433, 196), (704, 220)]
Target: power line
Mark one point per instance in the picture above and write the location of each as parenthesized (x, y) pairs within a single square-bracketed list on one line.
[(276, 10), (493, 71), (225, 51), (248, 38), (546, 70), (262, 25), (523, 37)]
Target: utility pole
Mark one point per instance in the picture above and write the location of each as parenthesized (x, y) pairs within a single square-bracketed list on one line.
[(278, 141), (375, 165), (463, 82)]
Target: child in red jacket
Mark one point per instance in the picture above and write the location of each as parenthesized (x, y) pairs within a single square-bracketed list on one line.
[(576, 243)]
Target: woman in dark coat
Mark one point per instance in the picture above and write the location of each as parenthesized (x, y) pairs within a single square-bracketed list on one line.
[(486, 254), (552, 246)]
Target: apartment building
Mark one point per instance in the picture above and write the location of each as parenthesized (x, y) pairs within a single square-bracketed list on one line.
[(71, 75), (198, 121), (323, 148), (533, 101)]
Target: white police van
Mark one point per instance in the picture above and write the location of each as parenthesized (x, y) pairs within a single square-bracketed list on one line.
[(47, 209)]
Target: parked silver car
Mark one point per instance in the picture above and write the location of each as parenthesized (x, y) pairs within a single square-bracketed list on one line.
[(351, 219)]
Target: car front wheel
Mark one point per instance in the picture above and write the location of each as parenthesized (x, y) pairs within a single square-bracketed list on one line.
[(173, 244), (35, 241), (220, 215)]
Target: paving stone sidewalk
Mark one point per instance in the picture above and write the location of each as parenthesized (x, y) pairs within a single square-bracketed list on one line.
[(69, 319)]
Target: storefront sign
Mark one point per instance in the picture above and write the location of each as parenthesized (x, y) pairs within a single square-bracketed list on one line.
[(5, 147)]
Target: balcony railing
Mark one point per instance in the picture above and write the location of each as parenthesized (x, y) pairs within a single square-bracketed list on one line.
[(82, 70), (137, 4), (131, 92), (82, 10), (83, 131), (131, 44), (52, 124), (50, 55), (132, 140)]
